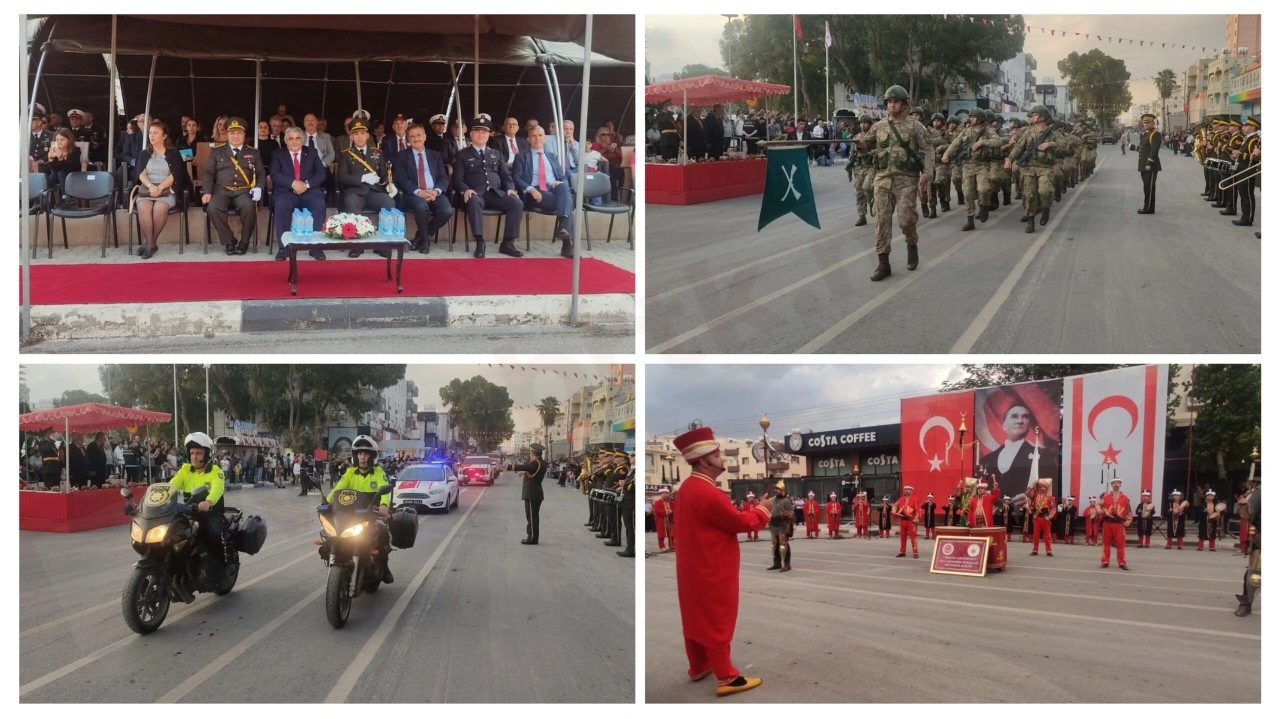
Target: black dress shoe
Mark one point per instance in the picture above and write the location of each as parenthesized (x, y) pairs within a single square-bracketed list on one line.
[(1241, 223), (563, 235), (141, 249), (231, 250), (479, 249), (1146, 212), (627, 553), (508, 248), (355, 253), (317, 254), (384, 254), (613, 544), (526, 540), (150, 252), (242, 249), (283, 254), (424, 247), (1229, 212)]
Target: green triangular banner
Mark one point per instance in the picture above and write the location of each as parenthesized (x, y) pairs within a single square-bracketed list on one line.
[(787, 187)]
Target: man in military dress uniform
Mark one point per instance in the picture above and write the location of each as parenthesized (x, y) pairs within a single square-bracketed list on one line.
[(903, 158), (669, 142), (233, 178), (531, 490), (50, 460), (482, 177), (1250, 145), (1149, 162), (628, 508), (364, 177), (41, 138)]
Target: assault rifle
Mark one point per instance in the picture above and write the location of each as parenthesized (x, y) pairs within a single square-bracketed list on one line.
[(1030, 153)]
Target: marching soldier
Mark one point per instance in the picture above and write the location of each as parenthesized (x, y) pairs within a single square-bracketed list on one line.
[(940, 190), (1207, 519), (927, 197), (1145, 514), (1248, 156), (996, 174), (1149, 162), (233, 178), (1033, 151), (1116, 515), (969, 151), (781, 527), (661, 523), (904, 161), (907, 510), (928, 517), (834, 510), (953, 129), (1177, 519), (863, 173), (1014, 174), (811, 516)]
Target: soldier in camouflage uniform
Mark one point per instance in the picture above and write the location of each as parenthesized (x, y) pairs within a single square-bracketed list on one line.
[(953, 129), (1072, 164), (1060, 150), (969, 150), (1016, 126), (1090, 154), (927, 197), (939, 187), (862, 173), (903, 159), (996, 174), (1033, 152)]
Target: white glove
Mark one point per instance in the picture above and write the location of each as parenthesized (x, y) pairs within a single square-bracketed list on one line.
[(369, 178), (255, 194)]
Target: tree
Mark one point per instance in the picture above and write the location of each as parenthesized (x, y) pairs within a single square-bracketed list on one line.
[(1229, 421), (549, 411), (480, 411), (1165, 82), (698, 70), (1099, 83), (78, 396)]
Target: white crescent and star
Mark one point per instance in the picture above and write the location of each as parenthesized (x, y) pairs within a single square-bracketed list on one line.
[(935, 464)]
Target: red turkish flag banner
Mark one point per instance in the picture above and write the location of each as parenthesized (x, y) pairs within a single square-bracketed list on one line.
[(1114, 426), (932, 458), (799, 32)]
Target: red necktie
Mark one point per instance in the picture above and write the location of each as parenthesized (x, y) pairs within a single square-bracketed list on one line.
[(297, 167), (542, 172), (512, 142), (422, 174)]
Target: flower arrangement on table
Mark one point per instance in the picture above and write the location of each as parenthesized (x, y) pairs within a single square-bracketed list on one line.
[(349, 226)]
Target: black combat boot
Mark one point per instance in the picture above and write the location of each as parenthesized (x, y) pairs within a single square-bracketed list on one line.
[(1005, 191), (1044, 217), (862, 220), (777, 560), (944, 196), (983, 212), (924, 207), (959, 195), (882, 270), (913, 257), (1031, 225), (968, 224)]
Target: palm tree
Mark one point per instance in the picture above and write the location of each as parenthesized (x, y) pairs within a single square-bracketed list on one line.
[(549, 411), (1165, 82)]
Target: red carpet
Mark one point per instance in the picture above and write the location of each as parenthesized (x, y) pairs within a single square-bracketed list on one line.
[(266, 280)]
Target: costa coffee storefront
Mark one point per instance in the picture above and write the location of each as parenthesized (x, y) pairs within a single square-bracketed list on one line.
[(852, 460)]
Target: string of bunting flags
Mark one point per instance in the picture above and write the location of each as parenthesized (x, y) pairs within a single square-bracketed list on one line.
[(1114, 39), (561, 373)]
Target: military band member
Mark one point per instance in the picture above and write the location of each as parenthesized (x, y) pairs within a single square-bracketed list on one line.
[(1001, 514), (481, 175), (903, 158), (1177, 520), (1230, 150), (862, 516), (1067, 522), (1249, 157), (749, 503), (627, 508), (1207, 518), (782, 520), (233, 178), (811, 516), (1149, 162), (907, 510), (982, 506), (660, 522), (1145, 517), (886, 518), (1042, 509), (1116, 516), (949, 512), (1093, 522), (531, 491), (834, 512), (928, 517)]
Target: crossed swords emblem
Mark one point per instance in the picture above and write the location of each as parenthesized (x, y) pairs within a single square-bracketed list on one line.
[(791, 187)]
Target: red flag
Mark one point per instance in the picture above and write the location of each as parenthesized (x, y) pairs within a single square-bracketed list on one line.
[(932, 460), (1116, 417), (796, 20)]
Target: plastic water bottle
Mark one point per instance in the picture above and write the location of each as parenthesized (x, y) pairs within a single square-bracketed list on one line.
[(384, 223), (295, 228), (307, 222), (399, 225)]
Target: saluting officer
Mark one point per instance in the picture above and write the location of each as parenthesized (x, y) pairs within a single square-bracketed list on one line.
[(233, 177), (1149, 162), (531, 490)]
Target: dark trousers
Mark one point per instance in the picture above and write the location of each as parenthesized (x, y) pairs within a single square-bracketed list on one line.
[(1149, 191), (429, 216), (212, 526), (1247, 200), (501, 200), (372, 201), (531, 507), (629, 522), (556, 199), (284, 202), (669, 152), (221, 203)]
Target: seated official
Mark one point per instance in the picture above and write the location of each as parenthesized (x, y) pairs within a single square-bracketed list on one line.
[(420, 175), (555, 145), (234, 177), (298, 177), (364, 177), (508, 144), (161, 177), (440, 141), (481, 175), (541, 181)]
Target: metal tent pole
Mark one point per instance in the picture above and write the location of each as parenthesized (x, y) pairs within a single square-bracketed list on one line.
[(111, 101), (579, 215), (257, 99), (359, 96), (475, 77)]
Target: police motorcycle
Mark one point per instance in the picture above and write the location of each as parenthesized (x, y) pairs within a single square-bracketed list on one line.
[(176, 561), (352, 536)]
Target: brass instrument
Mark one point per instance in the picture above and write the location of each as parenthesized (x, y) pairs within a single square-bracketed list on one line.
[(1243, 176)]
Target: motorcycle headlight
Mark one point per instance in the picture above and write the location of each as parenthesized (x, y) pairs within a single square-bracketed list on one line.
[(156, 534), (354, 530), (326, 526), (135, 532)]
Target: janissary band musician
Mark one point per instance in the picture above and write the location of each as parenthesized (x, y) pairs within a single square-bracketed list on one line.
[(1251, 536), (1116, 515), (1145, 516), (862, 515), (782, 521), (982, 506), (708, 568), (1042, 509), (886, 519), (927, 516), (907, 510), (1207, 518), (811, 503), (662, 520), (1177, 519), (1067, 513), (1092, 523), (748, 503), (834, 510)]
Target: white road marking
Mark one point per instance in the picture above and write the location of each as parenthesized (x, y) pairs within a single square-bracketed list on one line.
[(983, 319), (347, 682), (766, 260)]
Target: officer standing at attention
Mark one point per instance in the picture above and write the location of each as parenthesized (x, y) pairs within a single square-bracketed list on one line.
[(531, 490), (233, 177), (903, 158), (669, 142), (1149, 162)]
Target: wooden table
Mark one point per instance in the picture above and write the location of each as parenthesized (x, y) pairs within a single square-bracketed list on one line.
[(321, 242)]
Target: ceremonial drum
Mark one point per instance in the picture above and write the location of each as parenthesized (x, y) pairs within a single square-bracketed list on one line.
[(951, 532), (998, 549)]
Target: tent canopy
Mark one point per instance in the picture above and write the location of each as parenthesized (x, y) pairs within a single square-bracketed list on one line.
[(711, 89), (90, 417)]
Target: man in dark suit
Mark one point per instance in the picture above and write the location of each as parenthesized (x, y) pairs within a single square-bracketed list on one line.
[(97, 455), (1149, 162), (396, 141), (297, 174), (531, 490), (542, 183), (364, 178), (77, 462), (508, 144), (715, 133), (234, 177), (482, 177), (419, 173), (438, 139), (695, 137), (1011, 463)]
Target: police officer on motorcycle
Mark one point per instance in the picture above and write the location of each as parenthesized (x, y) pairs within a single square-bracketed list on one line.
[(201, 470), (367, 477)]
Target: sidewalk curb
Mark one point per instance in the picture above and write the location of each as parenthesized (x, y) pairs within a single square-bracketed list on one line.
[(210, 319)]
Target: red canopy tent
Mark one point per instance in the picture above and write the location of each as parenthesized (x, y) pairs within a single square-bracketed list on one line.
[(90, 417), (711, 89)]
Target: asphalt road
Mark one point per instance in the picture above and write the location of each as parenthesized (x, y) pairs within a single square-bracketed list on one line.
[(1099, 278), (588, 339), (852, 623), (472, 617)]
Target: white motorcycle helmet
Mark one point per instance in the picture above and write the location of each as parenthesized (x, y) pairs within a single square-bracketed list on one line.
[(364, 443), (203, 441)]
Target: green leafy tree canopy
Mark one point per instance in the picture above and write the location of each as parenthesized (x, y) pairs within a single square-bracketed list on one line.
[(1098, 82), (480, 411)]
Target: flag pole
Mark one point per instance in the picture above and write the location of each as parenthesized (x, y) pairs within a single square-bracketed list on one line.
[(795, 74), (826, 41)]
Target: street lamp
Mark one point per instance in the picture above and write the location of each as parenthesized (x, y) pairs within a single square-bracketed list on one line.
[(764, 427), (728, 18)]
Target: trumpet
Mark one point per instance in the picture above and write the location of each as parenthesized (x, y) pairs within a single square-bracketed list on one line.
[(1243, 176)]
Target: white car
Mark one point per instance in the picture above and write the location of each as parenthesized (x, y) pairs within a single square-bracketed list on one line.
[(426, 487)]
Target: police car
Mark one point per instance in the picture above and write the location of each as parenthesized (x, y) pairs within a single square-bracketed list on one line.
[(426, 486)]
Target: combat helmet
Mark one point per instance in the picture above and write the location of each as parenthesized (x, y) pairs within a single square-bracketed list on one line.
[(937, 116), (866, 117), (918, 112), (897, 92), (1042, 111)]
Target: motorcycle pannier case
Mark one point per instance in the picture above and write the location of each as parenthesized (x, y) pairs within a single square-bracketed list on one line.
[(404, 528), (253, 534)]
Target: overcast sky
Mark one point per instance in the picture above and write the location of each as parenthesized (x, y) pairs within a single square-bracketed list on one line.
[(673, 41), (730, 399), (525, 387)]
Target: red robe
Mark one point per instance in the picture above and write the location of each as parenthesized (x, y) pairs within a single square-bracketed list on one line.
[(907, 509), (709, 562), (833, 516), (985, 504), (660, 521), (862, 514), (811, 515)]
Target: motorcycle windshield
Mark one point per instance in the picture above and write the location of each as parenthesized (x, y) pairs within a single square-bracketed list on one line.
[(346, 505), (160, 502)]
